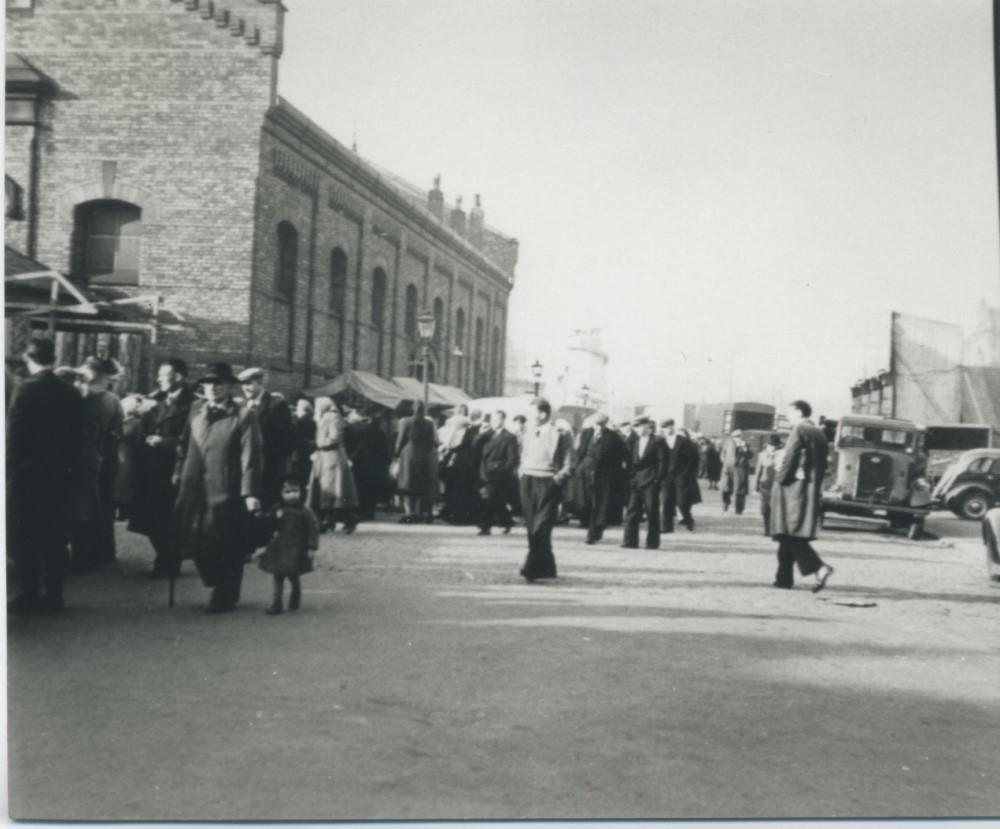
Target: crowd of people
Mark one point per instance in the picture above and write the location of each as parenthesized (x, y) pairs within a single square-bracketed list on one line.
[(215, 469)]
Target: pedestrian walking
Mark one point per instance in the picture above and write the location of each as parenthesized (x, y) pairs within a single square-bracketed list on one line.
[(764, 478), (303, 441), (647, 467), (498, 476), (606, 463), (370, 455), (736, 459), (333, 495), (44, 434), (417, 472), (128, 448), (277, 434), (796, 499), (546, 464), (685, 477), (92, 537), (218, 474), (713, 465), (668, 488), (295, 537), (156, 460)]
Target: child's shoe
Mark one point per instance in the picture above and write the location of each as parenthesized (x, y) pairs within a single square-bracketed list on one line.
[(295, 600), (275, 608)]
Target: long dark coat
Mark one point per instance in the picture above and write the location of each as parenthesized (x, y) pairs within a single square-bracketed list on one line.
[(155, 494), (368, 450), (296, 532), (277, 436), (798, 489), (577, 489), (219, 464), (44, 432), (416, 452), (606, 463), (92, 496), (682, 472), (300, 462), (713, 463)]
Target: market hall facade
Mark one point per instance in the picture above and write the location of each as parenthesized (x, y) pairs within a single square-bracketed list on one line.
[(149, 152)]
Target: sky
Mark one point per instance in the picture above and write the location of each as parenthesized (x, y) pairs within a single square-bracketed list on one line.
[(737, 192)]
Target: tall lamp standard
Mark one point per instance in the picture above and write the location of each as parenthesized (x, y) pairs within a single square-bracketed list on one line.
[(536, 372), (425, 328), (585, 393)]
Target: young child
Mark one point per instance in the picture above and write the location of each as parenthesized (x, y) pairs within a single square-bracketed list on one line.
[(296, 535)]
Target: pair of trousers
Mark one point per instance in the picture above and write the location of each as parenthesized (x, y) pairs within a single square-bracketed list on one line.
[(795, 550), (540, 502), (494, 508), (643, 500), (671, 504), (229, 580), (167, 560), (40, 556)]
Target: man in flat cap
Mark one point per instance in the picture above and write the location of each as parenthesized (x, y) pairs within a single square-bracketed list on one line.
[(218, 478), (605, 463), (680, 480), (277, 432), (44, 433), (646, 469)]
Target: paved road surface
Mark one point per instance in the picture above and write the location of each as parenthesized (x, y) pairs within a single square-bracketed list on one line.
[(423, 679)]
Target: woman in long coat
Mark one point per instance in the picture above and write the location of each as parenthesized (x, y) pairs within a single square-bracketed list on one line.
[(218, 474), (416, 451), (796, 499), (332, 491)]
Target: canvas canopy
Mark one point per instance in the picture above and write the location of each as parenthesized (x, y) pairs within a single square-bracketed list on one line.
[(361, 384), (437, 396)]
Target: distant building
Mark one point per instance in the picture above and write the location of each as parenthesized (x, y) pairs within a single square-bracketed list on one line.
[(936, 373)]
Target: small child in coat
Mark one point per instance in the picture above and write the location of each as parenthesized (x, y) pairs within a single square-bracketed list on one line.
[(289, 553)]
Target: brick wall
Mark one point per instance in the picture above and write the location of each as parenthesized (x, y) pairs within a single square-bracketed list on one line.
[(174, 99)]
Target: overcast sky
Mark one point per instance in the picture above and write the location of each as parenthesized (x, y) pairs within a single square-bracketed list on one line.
[(707, 181)]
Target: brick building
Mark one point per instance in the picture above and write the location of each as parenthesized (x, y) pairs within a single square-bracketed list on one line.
[(147, 149)]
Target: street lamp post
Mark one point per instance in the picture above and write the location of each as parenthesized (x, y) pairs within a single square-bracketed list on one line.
[(425, 328), (585, 393), (536, 372)]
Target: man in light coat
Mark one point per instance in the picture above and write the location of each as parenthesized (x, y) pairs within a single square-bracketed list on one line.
[(796, 500), (218, 476)]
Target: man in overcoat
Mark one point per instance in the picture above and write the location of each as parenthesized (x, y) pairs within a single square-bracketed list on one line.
[(796, 500), (736, 459), (647, 465), (668, 488), (277, 432), (44, 434), (605, 465), (218, 474), (498, 474), (161, 430)]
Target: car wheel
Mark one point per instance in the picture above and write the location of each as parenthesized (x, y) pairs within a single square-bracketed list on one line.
[(974, 505)]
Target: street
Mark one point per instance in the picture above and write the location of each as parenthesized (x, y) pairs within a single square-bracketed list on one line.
[(423, 678)]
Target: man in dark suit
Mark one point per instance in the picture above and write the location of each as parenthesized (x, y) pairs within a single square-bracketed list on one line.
[(605, 463), (647, 465), (276, 430), (796, 500), (162, 427), (498, 475), (44, 437), (679, 478)]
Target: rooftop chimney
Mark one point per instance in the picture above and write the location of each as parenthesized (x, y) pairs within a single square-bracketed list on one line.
[(458, 217), (435, 199), (476, 220)]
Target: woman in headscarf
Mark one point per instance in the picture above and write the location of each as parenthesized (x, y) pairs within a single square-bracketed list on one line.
[(416, 451), (332, 493)]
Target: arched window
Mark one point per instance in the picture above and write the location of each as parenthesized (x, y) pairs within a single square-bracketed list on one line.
[(379, 282), (438, 322), (478, 377), (460, 346), (288, 260), (338, 281), (410, 313), (497, 380), (107, 235)]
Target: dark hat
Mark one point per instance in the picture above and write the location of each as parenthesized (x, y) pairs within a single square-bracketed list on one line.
[(42, 350), (218, 373), (642, 420)]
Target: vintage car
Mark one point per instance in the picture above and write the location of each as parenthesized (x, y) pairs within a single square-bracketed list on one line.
[(991, 538), (876, 470), (971, 485)]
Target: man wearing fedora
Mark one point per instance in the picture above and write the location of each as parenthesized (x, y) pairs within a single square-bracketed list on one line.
[(44, 432), (647, 464), (218, 476), (277, 432)]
